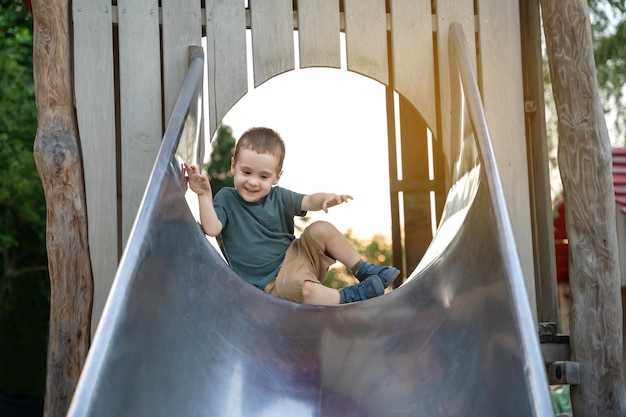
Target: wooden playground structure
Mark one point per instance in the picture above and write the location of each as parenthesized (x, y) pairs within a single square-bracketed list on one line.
[(107, 74)]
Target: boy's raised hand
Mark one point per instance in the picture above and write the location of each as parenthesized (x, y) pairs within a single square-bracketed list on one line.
[(198, 182), (334, 200)]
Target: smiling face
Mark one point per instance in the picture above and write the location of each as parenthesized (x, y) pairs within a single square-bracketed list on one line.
[(255, 174)]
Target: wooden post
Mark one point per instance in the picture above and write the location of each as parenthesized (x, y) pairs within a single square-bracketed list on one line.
[(538, 167), (58, 159), (584, 154)]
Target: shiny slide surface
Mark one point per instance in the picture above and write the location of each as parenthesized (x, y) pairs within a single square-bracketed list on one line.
[(182, 335)]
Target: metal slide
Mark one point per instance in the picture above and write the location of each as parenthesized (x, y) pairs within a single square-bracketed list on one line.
[(182, 335)]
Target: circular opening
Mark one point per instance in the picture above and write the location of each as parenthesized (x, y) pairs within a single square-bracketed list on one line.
[(334, 126)]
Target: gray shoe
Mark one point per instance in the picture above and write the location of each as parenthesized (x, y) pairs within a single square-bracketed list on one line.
[(387, 274), (370, 287)]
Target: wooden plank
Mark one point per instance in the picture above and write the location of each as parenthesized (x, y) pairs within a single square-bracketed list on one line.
[(417, 208), (394, 195), (318, 33), (366, 38), (95, 110), (539, 169), (447, 12), (503, 99), (413, 57), (182, 27), (57, 154), (227, 65), (140, 101), (272, 38)]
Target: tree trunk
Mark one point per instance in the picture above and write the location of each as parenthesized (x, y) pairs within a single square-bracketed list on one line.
[(58, 159), (584, 154)]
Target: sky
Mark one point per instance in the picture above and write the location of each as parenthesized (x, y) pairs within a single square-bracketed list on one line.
[(334, 126)]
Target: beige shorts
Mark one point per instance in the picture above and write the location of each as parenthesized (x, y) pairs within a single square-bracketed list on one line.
[(304, 261)]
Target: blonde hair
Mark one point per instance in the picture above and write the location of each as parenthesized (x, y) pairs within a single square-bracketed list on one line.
[(262, 140)]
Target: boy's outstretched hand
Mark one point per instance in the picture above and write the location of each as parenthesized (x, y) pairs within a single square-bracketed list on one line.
[(323, 201), (335, 199), (198, 182)]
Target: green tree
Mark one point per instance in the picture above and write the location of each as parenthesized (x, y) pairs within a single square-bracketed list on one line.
[(608, 20), (218, 168), (24, 284), (21, 195)]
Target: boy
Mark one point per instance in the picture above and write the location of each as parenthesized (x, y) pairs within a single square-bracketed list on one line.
[(255, 220)]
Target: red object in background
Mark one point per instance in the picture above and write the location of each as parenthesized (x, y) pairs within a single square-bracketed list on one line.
[(560, 234), (28, 5), (619, 177), (561, 245)]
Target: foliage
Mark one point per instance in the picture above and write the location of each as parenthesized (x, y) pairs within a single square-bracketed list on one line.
[(22, 203), (218, 168), (608, 19), (608, 26), (376, 250), (24, 285), (24, 337)]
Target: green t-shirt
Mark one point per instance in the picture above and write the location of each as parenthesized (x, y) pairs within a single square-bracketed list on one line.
[(256, 235)]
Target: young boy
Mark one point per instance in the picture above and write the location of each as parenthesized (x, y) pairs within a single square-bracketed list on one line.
[(256, 222)]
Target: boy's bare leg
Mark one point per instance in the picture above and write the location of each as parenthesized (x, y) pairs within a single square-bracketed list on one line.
[(317, 294), (334, 243)]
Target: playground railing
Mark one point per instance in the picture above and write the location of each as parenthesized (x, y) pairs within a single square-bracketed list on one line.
[(466, 100)]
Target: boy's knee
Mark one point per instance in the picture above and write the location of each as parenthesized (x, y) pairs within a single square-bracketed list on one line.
[(321, 228), (308, 290)]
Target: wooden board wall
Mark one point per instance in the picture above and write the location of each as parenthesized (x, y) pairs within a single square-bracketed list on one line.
[(416, 52), (318, 34), (140, 115), (413, 56), (502, 88), (226, 58), (95, 111), (181, 28), (366, 38), (272, 38), (447, 12)]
